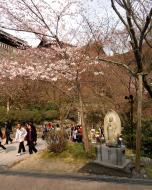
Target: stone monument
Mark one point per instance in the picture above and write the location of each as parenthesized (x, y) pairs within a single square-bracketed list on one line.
[(112, 128), (112, 153)]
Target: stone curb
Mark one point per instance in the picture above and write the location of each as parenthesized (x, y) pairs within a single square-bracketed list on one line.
[(117, 180)]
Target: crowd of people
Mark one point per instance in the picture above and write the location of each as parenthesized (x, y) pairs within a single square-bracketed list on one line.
[(24, 132), (27, 132), (96, 135), (74, 132)]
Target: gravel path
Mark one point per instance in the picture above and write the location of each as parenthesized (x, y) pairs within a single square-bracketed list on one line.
[(8, 157)]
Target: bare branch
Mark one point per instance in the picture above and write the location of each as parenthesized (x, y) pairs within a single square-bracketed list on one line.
[(42, 18), (147, 22), (119, 15), (119, 64)]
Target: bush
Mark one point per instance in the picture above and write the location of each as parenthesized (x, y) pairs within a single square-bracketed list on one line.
[(74, 152), (147, 138), (50, 106), (56, 141), (36, 113), (3, 115), (94, 117), (25, 115), (50, 115), (129, 135)]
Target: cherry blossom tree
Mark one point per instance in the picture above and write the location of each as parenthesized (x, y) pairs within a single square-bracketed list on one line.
[(46, 65), (44, 19), (65, 62)]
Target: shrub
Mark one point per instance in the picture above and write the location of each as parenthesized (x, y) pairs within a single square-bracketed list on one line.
[(3, 115), (147, 138), (73, 152), (50, 106), (56, 141), (50, 115), (94, 117), (25, 115), (129, 135)]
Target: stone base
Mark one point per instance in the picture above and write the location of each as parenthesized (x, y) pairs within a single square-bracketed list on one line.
[(122, 167), (111, 157)]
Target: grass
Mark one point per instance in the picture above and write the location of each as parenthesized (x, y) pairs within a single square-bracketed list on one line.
[(149, 171), (74, 152), (129, 153)]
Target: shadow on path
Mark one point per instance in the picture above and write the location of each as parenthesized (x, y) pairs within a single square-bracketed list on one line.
[(11, 148), (76, 177), (93, 168)]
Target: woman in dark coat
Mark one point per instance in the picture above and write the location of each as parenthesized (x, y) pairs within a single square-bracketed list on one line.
[(8, 132), (31, 139), (1, 137)]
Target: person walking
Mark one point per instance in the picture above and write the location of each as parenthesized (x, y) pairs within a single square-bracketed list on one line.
[(74, 135), (20, 136), (44, 132), (31, 139), (34, 132), (7, 133), (1, 137)]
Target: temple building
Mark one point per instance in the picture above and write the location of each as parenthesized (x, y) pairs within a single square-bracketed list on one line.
[(10, 42)]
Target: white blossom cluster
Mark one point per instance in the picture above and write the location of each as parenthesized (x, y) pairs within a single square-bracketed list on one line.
[(45, 64)]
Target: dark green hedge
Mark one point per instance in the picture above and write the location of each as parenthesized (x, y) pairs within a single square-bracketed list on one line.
[(129, 136), (35, 115)]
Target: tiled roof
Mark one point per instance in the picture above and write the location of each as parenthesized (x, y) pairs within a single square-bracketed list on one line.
[(12, 41)]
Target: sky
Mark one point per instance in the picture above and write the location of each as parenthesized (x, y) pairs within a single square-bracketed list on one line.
[(95, 10)]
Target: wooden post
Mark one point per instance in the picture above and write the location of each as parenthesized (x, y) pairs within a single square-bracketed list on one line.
[(139, 115)]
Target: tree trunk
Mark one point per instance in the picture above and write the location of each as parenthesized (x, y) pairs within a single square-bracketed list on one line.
[(131, 122), (84, 128), (61, 118), (138, 130), (81, 110), (8, 106)]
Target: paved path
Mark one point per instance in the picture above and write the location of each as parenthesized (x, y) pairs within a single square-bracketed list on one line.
[(18, 181), (8, 157)]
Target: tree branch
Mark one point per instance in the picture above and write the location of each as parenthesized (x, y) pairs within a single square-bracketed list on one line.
[(42, 18), (119, 64), (147, 85), (119, 15), (147, 22)]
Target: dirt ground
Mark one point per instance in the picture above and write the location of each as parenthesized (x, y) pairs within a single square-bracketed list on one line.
[(38, 164)]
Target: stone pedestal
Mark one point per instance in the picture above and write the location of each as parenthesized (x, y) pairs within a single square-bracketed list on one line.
[(111, 156)]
